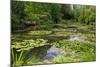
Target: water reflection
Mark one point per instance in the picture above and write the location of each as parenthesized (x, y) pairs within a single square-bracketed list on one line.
[(76, 38), (53, 52)]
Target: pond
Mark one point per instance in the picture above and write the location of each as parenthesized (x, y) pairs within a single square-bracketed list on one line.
[(49, 52), (67, 50)]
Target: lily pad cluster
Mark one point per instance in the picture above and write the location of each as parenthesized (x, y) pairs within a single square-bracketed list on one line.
[(40, 32), (75, 45), (28, 44)]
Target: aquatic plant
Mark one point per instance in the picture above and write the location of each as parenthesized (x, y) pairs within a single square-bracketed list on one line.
[(20, 48), (39, 32), (28, 44), (80, 51), (75, 45)]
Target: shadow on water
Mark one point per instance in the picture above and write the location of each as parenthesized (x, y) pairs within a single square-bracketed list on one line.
[(38, 51)]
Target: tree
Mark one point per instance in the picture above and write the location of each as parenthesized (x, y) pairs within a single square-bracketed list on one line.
[(85, 14), (55, 13), (18, 15)]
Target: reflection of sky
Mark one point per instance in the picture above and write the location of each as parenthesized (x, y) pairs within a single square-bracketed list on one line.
[(53, 52)]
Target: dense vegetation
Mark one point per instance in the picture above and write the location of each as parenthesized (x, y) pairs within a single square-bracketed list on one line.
[(36, 27)]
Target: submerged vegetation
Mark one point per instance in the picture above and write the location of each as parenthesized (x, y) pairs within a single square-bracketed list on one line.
[(47, 33)]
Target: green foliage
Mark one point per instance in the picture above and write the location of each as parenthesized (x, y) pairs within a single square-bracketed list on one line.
[(32, 60), (27, 11), (87, 56), (43, 13), (75, 45), (20, 48), (55, 13), (88, 36), (80, 51), (85, 14), (39, 32), (34, 11), (28, 44), (60, 59), (18, 15), (55, 24), (17, 58)]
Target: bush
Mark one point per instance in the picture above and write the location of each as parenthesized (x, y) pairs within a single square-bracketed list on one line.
[(85, 14)]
